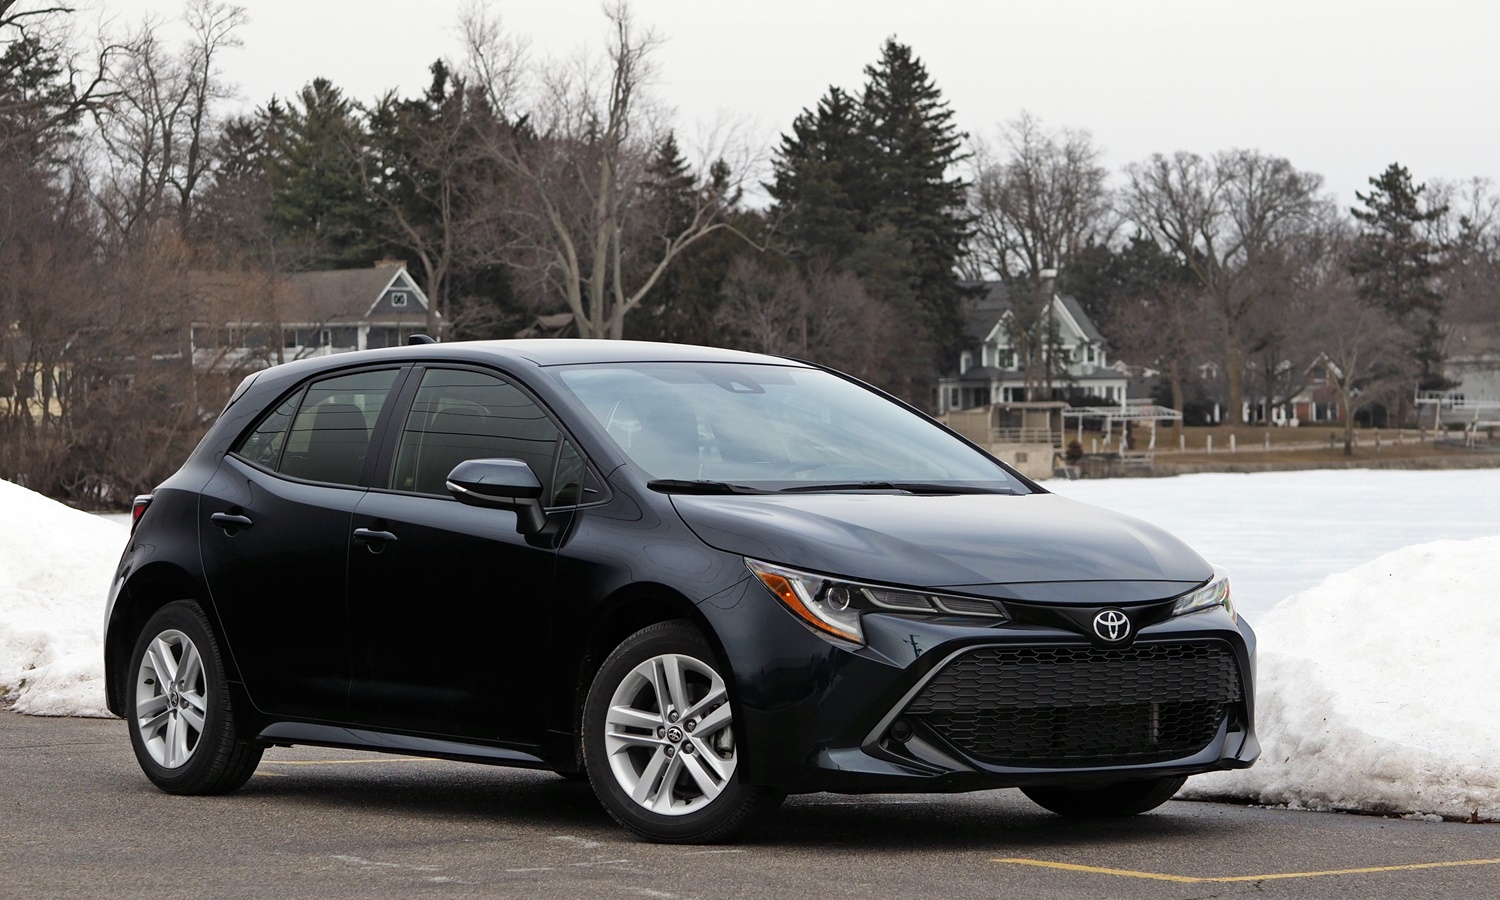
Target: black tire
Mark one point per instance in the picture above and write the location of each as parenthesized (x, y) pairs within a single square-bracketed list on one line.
[(667, 759), (1124, 798), (184, 737)]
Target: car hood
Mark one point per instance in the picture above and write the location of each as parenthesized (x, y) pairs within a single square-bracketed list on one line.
[(1038, 547)]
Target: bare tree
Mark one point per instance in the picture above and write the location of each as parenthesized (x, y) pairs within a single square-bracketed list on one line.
[(1033, 210), (1040, 204), (1230, 221), (1470, 236), (1368, 354), (575, 148), (1165, 330), (826, 317), (155, 133)]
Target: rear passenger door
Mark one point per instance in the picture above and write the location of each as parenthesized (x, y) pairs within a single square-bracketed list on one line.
[(449, 605), (273, 528)]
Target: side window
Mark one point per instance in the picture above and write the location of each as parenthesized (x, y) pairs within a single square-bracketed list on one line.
[(330, 435), (459, 415), (575, 484), (264, 444)]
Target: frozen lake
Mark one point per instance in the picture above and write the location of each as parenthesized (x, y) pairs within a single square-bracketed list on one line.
[(1279, 533)]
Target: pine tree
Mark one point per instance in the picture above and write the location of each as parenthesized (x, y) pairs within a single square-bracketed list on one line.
[(683, 306), (38, 108), (862, 187), (1396, 263), (822, 185), (915, 145), (318, 194)]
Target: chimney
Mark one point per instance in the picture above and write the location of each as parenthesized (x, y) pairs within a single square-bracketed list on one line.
[(389, 263), (1047, 281)]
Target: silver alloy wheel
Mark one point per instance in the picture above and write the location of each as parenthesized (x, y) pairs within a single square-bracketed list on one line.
[(171, 694), (667, 735)]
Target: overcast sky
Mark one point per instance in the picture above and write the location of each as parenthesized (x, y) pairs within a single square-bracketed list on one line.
[(1340, 87)]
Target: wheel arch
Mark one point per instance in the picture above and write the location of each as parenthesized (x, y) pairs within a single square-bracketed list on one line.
[(149, 589), (622, 614)]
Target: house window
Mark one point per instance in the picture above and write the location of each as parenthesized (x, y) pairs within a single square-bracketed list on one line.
[(1089, 355), (965, 362), (398, 298), (325, 337), (953, 398)]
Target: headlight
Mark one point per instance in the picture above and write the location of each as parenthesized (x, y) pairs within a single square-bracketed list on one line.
[(833, 606), (1211, 595)]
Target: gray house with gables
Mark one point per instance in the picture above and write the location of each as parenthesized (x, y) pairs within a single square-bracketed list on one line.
[(252, 320)]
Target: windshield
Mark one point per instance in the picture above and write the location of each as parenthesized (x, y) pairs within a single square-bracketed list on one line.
[(772, 427)]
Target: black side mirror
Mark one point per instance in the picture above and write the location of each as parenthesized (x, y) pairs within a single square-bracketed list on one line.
[(501, 484)]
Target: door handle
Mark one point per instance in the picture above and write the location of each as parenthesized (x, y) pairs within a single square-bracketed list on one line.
[(230, 522), (372, 538)]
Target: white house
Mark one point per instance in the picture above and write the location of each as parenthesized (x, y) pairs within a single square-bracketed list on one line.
[(1473, 362), (989, 370)]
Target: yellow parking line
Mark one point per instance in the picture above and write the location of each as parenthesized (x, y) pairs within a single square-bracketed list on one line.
[(1189, 879), (341, 762)]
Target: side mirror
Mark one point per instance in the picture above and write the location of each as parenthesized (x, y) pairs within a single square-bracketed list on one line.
[(501, 484)]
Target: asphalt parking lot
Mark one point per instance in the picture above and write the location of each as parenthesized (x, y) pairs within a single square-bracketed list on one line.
[(79, 820)]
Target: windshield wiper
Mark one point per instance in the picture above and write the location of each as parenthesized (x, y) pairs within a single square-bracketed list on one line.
[(687, 486), (910, 487)]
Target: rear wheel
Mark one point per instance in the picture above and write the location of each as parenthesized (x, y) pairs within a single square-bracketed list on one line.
[(182, 723), (1124, 798), (659, 742)]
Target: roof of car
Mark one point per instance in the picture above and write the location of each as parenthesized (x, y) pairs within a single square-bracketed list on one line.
[(537, 352), (572, 351)]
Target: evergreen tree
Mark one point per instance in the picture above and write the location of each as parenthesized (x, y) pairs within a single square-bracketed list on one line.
[(235, 214), (822, 185), (1104, 279), (38, 108), (915, 145), (318, 195), (683, 306), (862, 187), (1396, 263)]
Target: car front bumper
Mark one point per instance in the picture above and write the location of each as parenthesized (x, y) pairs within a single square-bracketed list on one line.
[(935, 705)]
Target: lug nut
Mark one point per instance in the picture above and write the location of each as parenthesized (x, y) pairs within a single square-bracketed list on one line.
[(687, 747), (661, 731), (671, 717), (671, 752), (690, 724)]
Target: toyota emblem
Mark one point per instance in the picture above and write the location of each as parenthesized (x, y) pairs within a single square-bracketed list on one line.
[(1112, 625)]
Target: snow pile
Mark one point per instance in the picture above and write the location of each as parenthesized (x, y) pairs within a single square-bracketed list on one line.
[(55, 568), (1377, 690)]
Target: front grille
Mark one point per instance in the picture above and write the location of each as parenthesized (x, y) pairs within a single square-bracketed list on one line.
[(1081, 705)]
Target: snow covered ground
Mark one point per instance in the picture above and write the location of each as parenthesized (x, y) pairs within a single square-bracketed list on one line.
[(1374, 683), (55, 567), (1376, 689)]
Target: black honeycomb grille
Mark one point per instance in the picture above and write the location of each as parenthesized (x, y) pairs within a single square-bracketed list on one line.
[(1081, 705)]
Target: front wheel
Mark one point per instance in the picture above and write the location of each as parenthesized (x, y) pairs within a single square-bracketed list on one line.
[(659, 743), (1124, 798), (181, 719)]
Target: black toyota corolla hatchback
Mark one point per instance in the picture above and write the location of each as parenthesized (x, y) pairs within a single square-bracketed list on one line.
[(702, 579)]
